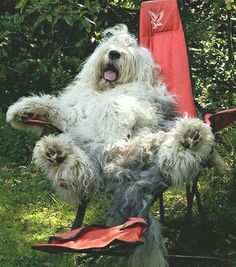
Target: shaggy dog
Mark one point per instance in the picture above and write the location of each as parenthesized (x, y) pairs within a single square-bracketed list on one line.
[(121, 134)]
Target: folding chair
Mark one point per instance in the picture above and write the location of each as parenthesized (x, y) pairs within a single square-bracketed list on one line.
[(161, 31)]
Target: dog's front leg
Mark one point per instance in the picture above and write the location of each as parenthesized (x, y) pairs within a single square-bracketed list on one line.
[(44, 107), (70, 170), (185, 149)]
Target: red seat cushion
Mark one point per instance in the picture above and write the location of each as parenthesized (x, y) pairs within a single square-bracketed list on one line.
[(95, 237)]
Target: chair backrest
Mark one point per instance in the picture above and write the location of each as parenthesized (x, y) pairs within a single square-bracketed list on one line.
[(161, 31)]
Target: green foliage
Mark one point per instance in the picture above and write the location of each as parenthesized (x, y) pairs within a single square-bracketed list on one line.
[(43, 44), (209, 32), (229, 4), (15, 146)]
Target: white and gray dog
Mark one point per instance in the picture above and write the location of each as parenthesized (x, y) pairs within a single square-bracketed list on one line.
[(121, 134)]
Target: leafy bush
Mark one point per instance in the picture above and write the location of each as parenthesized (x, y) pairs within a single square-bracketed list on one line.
[(209, 33), (15, 146), (42, 45)]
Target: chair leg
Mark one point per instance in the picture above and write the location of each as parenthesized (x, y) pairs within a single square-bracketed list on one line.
[(190, 198), (162, 208), (80, 215), (189, 213), (200, 206)]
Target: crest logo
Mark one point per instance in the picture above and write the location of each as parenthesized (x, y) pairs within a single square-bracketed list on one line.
[(156, 19)]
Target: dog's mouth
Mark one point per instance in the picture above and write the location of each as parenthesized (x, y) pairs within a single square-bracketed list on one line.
[(110, 73)]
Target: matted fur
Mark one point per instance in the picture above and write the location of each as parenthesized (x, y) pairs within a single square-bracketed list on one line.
[(175, 161), (75, 177), (152, 252), (122, 135)]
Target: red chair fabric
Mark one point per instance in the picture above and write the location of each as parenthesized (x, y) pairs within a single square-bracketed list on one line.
[(221, 119), (161, 31), (95, 237)]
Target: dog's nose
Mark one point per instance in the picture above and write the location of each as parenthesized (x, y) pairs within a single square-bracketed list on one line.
[(113, 54)]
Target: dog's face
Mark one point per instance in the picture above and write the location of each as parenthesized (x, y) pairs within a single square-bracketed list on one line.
[(118, 60), (117, 64)]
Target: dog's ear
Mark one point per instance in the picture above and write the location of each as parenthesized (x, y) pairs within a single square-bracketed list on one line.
[(116, 30)]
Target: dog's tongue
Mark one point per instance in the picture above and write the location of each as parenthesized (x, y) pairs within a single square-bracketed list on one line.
[(110, 75)]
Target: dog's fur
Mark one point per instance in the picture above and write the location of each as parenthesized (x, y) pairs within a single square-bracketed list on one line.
[(122, 134)]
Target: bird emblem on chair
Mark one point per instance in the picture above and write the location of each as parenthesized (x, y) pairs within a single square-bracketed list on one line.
[(156, 19)]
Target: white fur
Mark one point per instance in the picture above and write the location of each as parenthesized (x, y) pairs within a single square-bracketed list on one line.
[(75, 177), (113, 128), (44, 106), (178, 163)]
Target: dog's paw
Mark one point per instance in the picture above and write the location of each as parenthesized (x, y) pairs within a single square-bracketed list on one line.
[(52, 150), (26, 113), (67, 166), (191, 138), (194, 135), (187, 147), (55, 154), (43, 107), (24, 108)]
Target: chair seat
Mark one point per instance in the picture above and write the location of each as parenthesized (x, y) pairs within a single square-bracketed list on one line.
[(96, 238)]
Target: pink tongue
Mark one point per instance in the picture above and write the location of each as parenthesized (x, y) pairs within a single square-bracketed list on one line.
[(109, 75)]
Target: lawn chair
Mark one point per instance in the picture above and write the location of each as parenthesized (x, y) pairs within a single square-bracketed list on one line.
[(161, 31)]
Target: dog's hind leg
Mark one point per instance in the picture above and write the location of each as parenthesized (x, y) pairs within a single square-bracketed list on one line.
[(186, 148), (70, 170)]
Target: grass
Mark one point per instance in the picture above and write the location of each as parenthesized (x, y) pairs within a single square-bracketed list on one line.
[(30, 212)]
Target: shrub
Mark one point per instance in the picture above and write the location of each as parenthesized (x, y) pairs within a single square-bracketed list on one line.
[(43, 44), (15, 145)]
